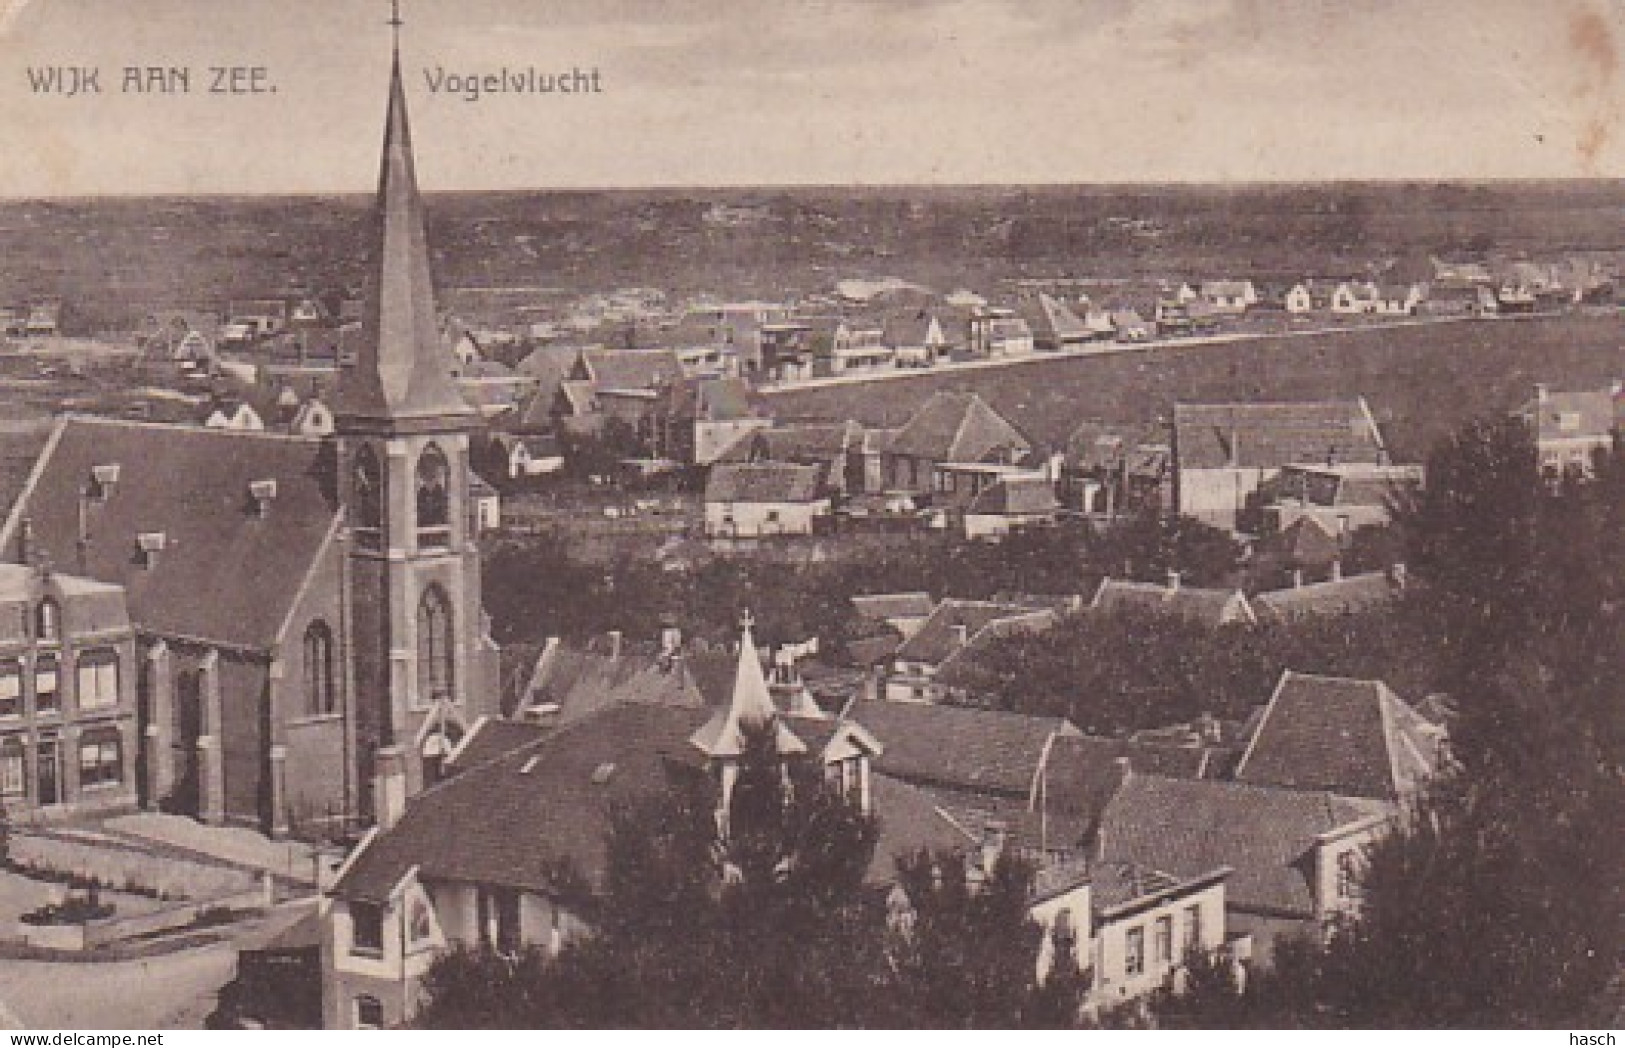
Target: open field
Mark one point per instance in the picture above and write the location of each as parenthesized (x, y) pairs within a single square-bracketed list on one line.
[(112, 260), (1421, 380)]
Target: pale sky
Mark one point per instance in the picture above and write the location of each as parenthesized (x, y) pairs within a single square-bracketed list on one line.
[(775, 92)]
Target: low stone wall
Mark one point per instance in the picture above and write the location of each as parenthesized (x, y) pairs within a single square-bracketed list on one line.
[(115, 929), (122, 867)]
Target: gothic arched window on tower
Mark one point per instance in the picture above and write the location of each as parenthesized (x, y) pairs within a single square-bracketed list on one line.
[(367, 481), (435, 681), (320, 694), (434, 498)]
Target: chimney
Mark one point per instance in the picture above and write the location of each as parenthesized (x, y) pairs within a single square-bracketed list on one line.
[(1173, 582), (1398, 576), (961, 634), (148, 545), (1342, 527), (262, 492), (1543, 392), (389, 786), (1208, 727), (993, 840), (1337, 569), (1297, 578), (104, 478), (614, 644), (25, 540), (671, 640)]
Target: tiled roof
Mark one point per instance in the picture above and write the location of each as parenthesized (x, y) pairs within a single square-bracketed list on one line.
[(1214, 607), (1590, 413), (1353, 737), (1305, 541), (1272, 435), (192, 485), (1016, 496), (762, 482), (806, 443), (982, 751), (1336, 596), (938, 637), (954, 670), (1083, 773), (956, 427), (894, 605), (1188, 827), (509, 820), (583, 682), (491, 737), (632, 369)]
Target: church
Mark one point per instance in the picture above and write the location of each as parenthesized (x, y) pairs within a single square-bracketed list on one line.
[(309, 636)]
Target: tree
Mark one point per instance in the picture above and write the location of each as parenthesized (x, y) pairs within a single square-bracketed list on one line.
[(1496, 900), (772, 925)]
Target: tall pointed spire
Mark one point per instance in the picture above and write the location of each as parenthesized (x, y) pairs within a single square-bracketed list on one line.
[(402, 372)]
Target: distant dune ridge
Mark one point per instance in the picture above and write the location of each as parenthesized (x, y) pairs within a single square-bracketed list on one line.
[(114, 258)]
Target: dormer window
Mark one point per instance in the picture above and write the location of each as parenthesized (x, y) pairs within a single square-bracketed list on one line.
[(433, 498), (48, 620)]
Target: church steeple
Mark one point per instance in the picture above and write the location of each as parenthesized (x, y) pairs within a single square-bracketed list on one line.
[(401, 378)]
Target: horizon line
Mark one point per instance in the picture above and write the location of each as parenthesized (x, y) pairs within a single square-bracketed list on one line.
[(1387, 182)]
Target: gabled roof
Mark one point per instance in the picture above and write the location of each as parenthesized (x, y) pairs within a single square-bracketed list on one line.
[(1346, 595), (886, 606), (982, 751), (191, 484), (1188, 827), (1083, 773), (955, 669), (938, 637), (1353, 737), (632, 370), (510, 819), (1273, 435), (764, 482), (1016, 496), (581, 682), (906, 328), (808, 443), (1214, 607), (1306, 541), (724, 399), (956, 427)]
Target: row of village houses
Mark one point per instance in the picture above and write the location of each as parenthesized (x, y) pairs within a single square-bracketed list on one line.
[(902, 326), (955, 462), (1216, 836)]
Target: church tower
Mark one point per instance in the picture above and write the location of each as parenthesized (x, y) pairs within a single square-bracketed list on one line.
[(420, 660)]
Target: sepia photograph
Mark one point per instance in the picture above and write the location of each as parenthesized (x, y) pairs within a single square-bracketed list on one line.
[(887, 515)]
